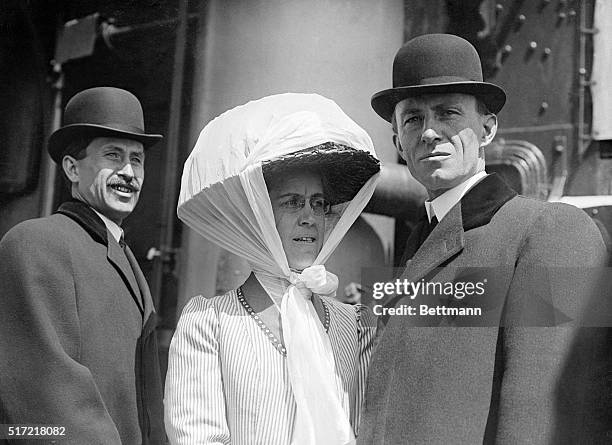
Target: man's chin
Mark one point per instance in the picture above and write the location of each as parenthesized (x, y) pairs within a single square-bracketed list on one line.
[(118, 212), (439, 183)]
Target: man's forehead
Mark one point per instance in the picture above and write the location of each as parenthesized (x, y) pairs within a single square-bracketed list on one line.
[(435, 100), (129, 145)]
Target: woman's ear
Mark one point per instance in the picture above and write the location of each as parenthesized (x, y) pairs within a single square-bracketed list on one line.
[(490, 127)]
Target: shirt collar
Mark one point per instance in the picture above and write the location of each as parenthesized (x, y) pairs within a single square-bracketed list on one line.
[(441, 205), (112, 226)]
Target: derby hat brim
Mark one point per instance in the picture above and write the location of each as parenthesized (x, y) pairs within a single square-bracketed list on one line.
[(63, 136), (491, 95)]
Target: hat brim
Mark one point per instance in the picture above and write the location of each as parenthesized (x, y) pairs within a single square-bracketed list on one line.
[(345, 169), (60, 139), (384, 102)]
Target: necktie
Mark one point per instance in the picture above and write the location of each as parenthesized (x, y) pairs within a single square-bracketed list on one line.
[(429, 228), (433, 223), (425, 231)]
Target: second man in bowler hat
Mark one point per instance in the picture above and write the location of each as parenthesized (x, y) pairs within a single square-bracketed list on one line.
[(466, 381)]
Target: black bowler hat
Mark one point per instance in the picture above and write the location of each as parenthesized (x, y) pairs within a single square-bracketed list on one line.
[(434, 64), (100, 112)]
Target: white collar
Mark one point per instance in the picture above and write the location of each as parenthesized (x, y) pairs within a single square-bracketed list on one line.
[(112, 226), (441, 205)]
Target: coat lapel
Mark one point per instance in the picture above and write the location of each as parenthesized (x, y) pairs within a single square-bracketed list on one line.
[(119, 258), (141, 281), (445, 241), (475, 209), (91, 222), (481, 202), (86, 218)]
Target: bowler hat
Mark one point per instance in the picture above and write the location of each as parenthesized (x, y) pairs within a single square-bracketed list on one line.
[(434, 64), (100, 112)]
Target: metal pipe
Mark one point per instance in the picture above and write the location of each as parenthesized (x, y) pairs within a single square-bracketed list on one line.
[(49, 166), (582, 83), (168, 206), (111, 34), (397, 194)]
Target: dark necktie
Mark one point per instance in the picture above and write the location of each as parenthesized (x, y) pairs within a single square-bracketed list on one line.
[(432, 224), (427, 229)]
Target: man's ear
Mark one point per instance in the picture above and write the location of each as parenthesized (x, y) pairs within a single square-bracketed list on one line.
[(490, 127), (398, 145), (71, 168)]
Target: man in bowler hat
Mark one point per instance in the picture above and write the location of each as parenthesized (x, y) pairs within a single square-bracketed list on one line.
[(501, 377), (77, 327)]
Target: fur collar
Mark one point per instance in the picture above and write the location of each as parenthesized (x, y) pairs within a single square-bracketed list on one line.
[(478, 206), (84, 215)]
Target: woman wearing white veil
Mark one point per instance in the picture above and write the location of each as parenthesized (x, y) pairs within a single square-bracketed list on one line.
[(278, 181)]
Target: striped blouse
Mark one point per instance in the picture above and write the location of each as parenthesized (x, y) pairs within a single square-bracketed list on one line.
[(227, 383)]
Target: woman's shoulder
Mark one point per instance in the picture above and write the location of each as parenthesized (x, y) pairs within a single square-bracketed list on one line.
[(355, 310), (343, 310), (219, 302), (337, 306), (202, 314), (365, 316), (361, 313)]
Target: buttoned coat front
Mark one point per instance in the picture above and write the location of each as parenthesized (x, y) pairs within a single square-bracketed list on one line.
[(463, 380), (77, 343)]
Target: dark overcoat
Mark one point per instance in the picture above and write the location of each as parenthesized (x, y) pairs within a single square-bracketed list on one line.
[(77, 342), (465, 380)]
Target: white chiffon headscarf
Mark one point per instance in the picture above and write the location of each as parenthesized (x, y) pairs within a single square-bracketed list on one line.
[(225, 199)]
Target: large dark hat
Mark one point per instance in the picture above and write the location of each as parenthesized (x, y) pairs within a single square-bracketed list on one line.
[(437, 63), (100, 112), (345, 170)]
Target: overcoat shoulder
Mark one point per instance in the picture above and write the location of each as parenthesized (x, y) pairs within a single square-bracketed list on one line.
[(71, 333)]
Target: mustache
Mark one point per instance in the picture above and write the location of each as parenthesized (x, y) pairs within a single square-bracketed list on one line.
[(132, 184)]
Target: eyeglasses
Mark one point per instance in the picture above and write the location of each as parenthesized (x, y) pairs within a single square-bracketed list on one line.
[(294, 203)]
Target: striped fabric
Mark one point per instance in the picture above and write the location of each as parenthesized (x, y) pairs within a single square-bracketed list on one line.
[(227, 383)]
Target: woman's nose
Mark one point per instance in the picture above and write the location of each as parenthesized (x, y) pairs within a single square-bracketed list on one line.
[(306, 216)]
